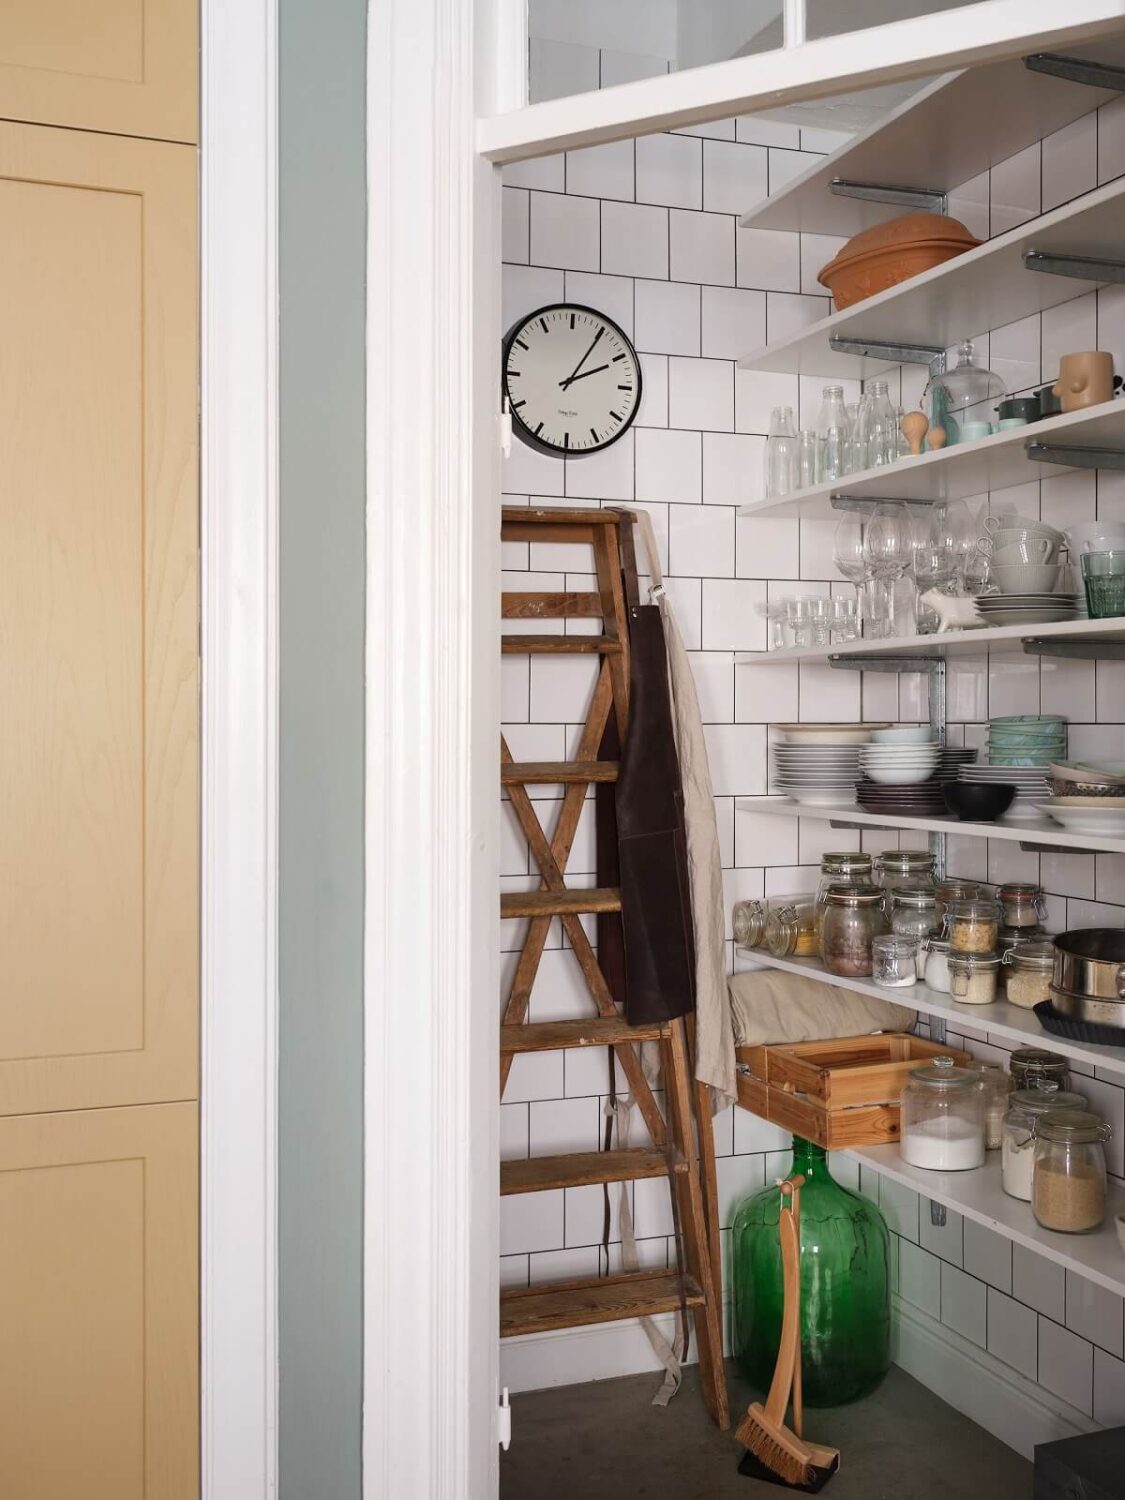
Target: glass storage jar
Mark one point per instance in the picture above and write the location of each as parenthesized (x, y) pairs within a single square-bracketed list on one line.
[(914, 915), (972, 977), (997, 1092), (853, 918), (971, 926), (942, 1119), (1068, 1184), (895, 869), (948, 891), (1017, 1154), (1030, 969), (749, 921), (1022, 906), (937, 964), (791, 928), (1007, 941), (838, 868), (1030, 1066), (894, 960)]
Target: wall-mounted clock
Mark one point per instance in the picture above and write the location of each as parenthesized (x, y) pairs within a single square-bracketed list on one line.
[(572, 379)]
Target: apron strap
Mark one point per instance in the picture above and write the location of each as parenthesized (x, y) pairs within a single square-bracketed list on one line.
[(652, 555)]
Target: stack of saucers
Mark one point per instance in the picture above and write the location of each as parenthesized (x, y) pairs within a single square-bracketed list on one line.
[(953, 757), (1029, 740), (822, 775), (922, 800), (1030, 782), (1027, 609)]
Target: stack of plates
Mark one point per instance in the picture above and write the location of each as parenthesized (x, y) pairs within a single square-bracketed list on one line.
[(900, 765), (822, 775), (1027, 609), (1030, 783), (924, 800), (828, 734), (1089, 796), (1026, 739), (953, 757)]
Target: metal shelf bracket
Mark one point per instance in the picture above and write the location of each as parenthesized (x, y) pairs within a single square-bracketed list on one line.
[(1074, 456), (1104, 650), (1084, 267), (1077, 70), (903, 197), (874, 663), (893, 353), (865, 504)]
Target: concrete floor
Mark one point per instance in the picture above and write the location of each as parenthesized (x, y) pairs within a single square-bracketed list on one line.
[(586, 1442)]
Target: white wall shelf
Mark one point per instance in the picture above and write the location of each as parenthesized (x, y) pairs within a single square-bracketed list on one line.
[(1042, 831), (988, 464), (983, 289), (977, 1195), (952, 643), (958, 126), (1007, 1023)]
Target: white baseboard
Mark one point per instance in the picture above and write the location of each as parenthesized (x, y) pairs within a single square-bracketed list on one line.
[(1016, 1410), (1001, 1400)]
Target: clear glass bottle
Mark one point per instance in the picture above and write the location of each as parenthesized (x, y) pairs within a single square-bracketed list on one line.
[(942, 1117), (781, 453), (845, 1285), (791, 929), (972, 926), (881, 436), (973, 977), (1031, 968), (894, 961), (1017, 1151), (967, 393), (997, 1092), (853, 918), (1068, 1184), (1032, 1066), (833, 433), (838, 868), (914, 915)]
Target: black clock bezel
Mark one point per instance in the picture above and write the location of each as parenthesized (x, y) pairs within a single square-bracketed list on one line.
[(522, 431)]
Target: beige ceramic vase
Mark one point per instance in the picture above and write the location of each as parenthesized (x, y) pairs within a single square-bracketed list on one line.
[(1085, 379)]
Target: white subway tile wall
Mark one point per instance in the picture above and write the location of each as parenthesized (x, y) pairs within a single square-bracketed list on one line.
[(647, 231)]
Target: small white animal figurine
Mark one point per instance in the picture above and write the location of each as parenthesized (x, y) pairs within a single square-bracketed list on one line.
[(954, 614)]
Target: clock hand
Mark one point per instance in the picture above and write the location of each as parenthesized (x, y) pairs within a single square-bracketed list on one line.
[(596, 371), (573, 374)]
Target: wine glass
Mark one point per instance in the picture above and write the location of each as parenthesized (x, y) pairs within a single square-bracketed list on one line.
[(774, 612), (887, 550), (952, 530)]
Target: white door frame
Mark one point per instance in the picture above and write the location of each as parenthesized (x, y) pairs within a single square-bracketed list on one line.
[(238, 409)]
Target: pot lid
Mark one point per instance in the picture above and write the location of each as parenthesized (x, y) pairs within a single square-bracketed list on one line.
[(908, 229), (943, 1073), (1047, 1096)]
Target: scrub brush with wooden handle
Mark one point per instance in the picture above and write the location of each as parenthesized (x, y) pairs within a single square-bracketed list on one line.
[(763, 1428)]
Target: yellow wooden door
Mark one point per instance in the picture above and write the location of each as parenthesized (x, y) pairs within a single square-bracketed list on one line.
[(99, 786), (98, 1305), (127, 66)]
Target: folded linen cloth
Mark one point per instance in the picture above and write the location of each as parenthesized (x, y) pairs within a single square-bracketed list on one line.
[(770, 1006)]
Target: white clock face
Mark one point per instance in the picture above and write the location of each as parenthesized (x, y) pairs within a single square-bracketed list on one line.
[(572, 379)]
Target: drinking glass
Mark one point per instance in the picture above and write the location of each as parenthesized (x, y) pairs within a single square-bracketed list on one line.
[(861, 434), (833, 429), (808, 459), (845, 619), (821, 614), (798, 616), (773, 611), (853, 452), (781, 453)]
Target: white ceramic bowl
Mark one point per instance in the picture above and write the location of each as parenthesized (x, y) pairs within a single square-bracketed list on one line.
[(903, 736), (899, 775), (827, 734), (1022, 578)]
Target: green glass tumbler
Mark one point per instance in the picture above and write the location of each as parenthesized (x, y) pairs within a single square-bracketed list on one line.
[(845, 1285)]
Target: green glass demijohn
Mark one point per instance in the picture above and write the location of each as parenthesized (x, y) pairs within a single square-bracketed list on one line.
[(845, 1285)]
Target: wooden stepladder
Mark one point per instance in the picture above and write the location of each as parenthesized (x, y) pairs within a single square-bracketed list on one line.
[(674, 1150)]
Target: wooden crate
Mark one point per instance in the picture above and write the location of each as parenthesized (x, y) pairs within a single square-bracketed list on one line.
[(836, 1093)]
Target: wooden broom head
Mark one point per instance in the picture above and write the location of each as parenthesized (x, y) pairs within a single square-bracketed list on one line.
[(775, 1446)]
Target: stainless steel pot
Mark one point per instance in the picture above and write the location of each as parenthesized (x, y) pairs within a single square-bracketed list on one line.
[(1090, 961), (1086, 1008)]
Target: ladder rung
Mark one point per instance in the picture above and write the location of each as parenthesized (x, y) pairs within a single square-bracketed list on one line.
[(546, 515), (559, 903), (560, 772), (554, 1036), (551, 606), (559, 645), (597, 1300), (538, 1174)]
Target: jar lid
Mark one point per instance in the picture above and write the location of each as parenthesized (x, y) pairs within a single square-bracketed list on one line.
[(1038, 1057), (845, 860), (1072, 1126), (1020, 890), (943, 1073), (853, 895), (1036, 956), (980, 907), (895, 942), (917, 897), (906, 859), (938, 945), (966, 963), (1048, 1096), (958, 890)]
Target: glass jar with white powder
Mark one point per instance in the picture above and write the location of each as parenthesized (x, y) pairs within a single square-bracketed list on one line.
[(943, 1117), (1017, 1152)]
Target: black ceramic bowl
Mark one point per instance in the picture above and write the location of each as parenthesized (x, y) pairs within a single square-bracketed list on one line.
[(978, 802)]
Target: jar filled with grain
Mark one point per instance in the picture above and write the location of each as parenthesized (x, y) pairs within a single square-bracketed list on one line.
[(1068, 1185), (914, 915), (853, 919), (840, 867), (971, 926), (972, 977), (791, 929), (954, 889), (1031, 1066), (1030, 968), (1017, 1151)]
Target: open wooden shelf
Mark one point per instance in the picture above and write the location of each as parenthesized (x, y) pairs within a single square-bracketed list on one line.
[(1008, 1023), (1041, 831), (977, 1195), (951, 130), (952, 643), (983, 289), (991, 463)]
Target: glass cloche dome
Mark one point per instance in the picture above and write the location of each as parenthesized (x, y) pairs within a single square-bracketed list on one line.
[(964, 394)]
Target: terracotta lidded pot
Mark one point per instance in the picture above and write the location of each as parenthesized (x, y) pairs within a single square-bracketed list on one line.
[(887, 254)]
